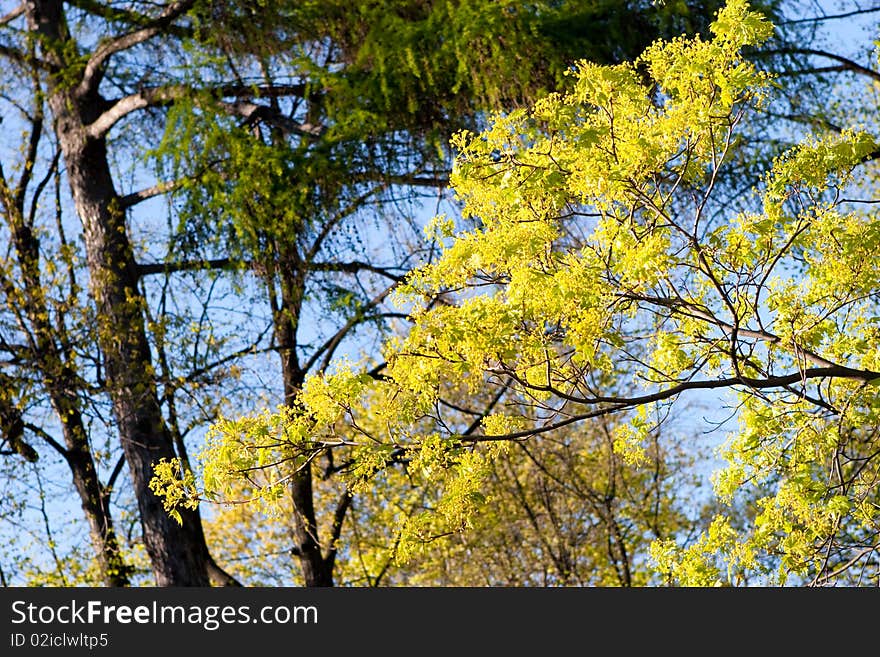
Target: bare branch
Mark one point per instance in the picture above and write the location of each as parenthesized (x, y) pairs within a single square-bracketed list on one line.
[(94, 70), (58, 447), (819, 19), (115, 13), (50, 173), (617, 404), (124, 106), (697, 313), (437, 180), (30, 158), (260, 91), (120, 462), (21, 58), (821, 578), (356, 266), (254, 113), (190, 265), (809, 119), (330, 346), (159, 96), (335, 220), (130, 200), (492, 403), (12, 15), (246, 351), (845, 62), (342, 507)]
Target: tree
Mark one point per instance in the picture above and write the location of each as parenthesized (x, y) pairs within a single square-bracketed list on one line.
[(44, 306), (49, 351), (602, 262), (566, 510), (295, 182), (72, 81), (88, 65)]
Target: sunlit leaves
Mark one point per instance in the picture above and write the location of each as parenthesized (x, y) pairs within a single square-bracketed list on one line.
[(604, 275), (615, 179)]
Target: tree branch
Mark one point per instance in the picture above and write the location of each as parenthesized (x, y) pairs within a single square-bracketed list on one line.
[(328, 226), (697, 313), (819, 19), (120, 462), (808, 119), (124, 106), (492, 403), (21, 58), (355, 267), (94, 70), (130, 200), (336, 530), (845, 62), (330, 346), (260, 91), (254, 113), (616, 404), (12, 15), (30, 158), (437, 180), (159, 96), (127, 16), (58, 447), (190, 265), (246, 351)]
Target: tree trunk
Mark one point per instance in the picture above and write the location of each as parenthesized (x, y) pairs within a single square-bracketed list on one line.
[(178, 552), (316, 567), (95, 502)]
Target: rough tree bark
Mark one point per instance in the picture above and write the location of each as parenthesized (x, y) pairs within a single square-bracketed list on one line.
[(178, 552)]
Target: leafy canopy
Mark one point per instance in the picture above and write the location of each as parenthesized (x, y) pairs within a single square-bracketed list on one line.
[(604, 276)]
